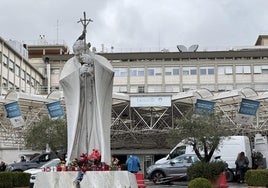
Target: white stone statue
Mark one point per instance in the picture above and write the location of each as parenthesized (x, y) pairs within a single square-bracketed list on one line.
[(87, 82)]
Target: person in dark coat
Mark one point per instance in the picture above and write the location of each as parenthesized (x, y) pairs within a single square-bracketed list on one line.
[(241, 166)]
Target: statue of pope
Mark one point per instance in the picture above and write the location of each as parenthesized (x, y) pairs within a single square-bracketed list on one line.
[(87, 82)]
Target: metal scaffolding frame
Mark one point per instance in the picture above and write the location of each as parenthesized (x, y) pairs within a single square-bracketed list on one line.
[(140, 127)]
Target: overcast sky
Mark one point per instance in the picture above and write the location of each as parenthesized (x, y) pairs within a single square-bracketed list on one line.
[(146, 25)]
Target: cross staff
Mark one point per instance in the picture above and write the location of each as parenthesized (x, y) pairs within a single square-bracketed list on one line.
[(85, 22)]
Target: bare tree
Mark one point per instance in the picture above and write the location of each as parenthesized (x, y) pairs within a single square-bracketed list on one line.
[(204, 132)]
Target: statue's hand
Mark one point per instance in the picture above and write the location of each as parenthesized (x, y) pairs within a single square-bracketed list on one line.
[(86, 69), (85, 59)]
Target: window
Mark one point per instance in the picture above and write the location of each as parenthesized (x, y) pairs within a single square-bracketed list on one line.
[(257, 69), (261, 69), (150, 72), (185, 71), (247, 70), (22, 72), (141, 89), (28, 78), (11, 65), (154, 71), (193, 71), (17, 70), (133, 72), (120, 72), (206, 70), (4, 83), (140, 71), (168, 71), (176, 71), (5, 60), (203, 71), (189, 71), (221, 71), (171, 71), (136, 71), (211, 71), (33, 82), (229, 70), (225, 70), (242, 69)]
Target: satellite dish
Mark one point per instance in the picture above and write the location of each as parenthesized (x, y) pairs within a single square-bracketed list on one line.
[(193, 48), (182, 48)]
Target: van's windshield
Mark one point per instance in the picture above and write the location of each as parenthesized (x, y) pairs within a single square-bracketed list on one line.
[(177, 152)]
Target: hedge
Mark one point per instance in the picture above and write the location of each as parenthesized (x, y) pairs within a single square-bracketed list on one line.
[(14, 179), (258, 177)]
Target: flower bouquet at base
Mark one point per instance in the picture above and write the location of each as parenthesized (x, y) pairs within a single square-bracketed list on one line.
[(88, 162)]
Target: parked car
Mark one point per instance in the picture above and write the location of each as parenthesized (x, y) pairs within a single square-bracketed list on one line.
[(35, 171), (175, 168), (33, 163)]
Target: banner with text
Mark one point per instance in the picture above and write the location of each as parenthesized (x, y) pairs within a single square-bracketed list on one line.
[(247, 111), (55, 109), (150, 101), (14, 114), (203, 106)]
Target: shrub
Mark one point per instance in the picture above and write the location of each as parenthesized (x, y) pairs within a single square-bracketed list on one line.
[(199, 183), (5, 180), (14, 179), (210, 171), (257, 177), (21, 179)]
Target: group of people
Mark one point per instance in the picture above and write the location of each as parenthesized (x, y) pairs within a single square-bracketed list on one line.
[(133, 163)]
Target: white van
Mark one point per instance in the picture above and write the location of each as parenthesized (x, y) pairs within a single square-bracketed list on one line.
[(228, 150)]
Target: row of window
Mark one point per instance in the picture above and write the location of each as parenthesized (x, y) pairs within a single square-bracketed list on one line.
[(175, 71), (176, 88), (19, 72)]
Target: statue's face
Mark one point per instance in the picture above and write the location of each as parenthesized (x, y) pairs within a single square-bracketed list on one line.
[(78, 47)]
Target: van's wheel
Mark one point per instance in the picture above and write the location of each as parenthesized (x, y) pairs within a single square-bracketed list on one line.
[(158, 177), (229, 175)]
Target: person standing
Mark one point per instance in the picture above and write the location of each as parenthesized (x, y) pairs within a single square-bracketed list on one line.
[(2, 166), (133, 164), (241, 166), (22, 159)]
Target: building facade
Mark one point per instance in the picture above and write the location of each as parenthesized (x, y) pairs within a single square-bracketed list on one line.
[(16, 72), (222, 76)]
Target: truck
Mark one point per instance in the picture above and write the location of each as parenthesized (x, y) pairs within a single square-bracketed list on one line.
[(261, 145), (227, 150)]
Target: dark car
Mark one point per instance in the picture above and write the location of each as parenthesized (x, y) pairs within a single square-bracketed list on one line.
[(33, 163), (174, 168)]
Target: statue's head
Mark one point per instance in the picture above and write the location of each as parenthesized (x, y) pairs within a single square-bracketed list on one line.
[(78, 47)]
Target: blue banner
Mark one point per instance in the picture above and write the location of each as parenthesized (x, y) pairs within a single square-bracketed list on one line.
[(249, 107), (14, 114), (203, 106), (13, 109), (55, 109)]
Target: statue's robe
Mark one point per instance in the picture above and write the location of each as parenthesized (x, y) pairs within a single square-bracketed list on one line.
[(88, 102)]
